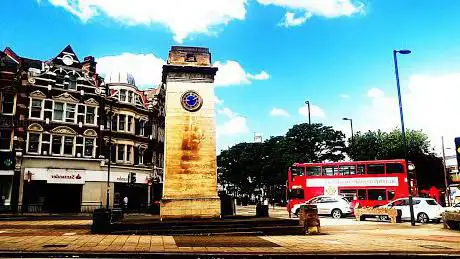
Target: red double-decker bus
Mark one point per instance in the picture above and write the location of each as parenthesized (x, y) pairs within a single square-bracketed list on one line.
[(368, 183)]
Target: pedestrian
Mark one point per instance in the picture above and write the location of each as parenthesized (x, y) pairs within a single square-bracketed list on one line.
[(125, 203)]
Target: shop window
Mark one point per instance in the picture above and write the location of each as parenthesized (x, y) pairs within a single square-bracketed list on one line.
[(376, 194), (313, 170), (376, 169), (90, 114), (33, 142), (347, 170), (36, 109), (70, 112), (58, 111), (395, 168), (7, 100), (5, 139)]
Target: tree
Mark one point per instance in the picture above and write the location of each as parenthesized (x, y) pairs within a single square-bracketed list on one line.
[(380, 145)]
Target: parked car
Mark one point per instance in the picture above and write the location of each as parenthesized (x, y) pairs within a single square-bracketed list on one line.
[(425, 209), (336, 206), (455, 207)]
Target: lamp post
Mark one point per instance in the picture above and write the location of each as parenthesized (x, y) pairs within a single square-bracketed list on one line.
[(403, 132), (445, 172), (308, 106), (351, 126)]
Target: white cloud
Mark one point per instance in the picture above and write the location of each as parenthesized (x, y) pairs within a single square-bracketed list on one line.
[(429, 103), (345, 96), (375, 93), (146, 68), (234, 125), (325, 8), (232, 73), (278, 112), (315, 111), (182, 17), (218, 101), (290, 20)]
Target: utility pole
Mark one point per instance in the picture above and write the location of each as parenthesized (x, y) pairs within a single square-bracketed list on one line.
[(445, 172)]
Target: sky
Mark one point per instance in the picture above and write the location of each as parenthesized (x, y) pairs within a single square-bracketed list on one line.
[(272, 56)]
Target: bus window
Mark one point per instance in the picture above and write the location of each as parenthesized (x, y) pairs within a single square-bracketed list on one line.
[(347, 170), (395, 168), (376, 194), (348, 194), (376, 169), (361, 194), (391, 195), (313, 170), (330, 170), (361, 169), (296, 194), (297, 171)]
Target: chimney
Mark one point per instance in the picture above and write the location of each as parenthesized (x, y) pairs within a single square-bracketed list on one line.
[(89, 65)]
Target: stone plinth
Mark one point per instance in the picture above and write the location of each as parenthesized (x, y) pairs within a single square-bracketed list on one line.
[(190, 178)]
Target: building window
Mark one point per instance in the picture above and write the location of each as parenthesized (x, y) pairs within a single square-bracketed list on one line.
[(7, 103), (33, 143), (5, 139), (128, 153), (141, 156), (122, 122), (36, 109), (130, 97), (120, 152), (72, 83), (123, 95), (114, 122), (56, 145), (70, 113), (68, 145), (129, 118), (90, 113), (89, 147), (58, 111), (141, 127)]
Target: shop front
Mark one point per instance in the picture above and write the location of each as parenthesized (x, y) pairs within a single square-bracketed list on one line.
[(53, 190), (6, 184)]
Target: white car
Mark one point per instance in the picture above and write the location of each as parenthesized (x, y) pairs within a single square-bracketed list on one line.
[(425, 209), (455, 207), (336, 206)]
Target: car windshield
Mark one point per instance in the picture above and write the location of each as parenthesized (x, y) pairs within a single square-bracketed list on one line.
[(431, 202)]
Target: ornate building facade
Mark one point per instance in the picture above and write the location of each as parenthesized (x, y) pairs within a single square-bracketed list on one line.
[(61, 135)]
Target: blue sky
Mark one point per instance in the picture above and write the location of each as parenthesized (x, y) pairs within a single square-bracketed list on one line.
[(272, 54)]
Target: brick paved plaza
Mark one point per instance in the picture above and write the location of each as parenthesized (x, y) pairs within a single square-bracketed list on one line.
[(338, 236)]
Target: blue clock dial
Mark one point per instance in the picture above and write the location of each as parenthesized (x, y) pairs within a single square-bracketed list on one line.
[(191, 101)]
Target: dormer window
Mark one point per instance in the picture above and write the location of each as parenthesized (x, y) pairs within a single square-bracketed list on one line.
[(123, 95)]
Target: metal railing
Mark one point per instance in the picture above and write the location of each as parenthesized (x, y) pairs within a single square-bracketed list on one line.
[(40, 207)]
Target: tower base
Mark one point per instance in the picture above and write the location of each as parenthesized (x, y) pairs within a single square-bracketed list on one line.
[(190, 208)]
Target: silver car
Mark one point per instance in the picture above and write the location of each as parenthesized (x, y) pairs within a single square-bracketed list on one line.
[(336, 206)]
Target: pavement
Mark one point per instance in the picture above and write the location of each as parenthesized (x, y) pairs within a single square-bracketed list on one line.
[(345, 236)]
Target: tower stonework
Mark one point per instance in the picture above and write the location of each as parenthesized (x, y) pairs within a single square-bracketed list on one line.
[(190, 178)]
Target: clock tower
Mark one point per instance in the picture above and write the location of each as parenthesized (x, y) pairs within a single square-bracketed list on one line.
[(190, 176)]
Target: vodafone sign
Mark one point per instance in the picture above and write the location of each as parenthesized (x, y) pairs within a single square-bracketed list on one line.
[(66, 176)]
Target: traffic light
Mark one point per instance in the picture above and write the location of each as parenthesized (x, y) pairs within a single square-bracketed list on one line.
[(132, 177)]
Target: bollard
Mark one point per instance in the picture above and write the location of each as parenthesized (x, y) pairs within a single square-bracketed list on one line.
[(309, 219), (101, 221)]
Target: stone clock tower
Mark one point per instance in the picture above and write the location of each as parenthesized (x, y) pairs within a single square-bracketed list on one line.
[(190, 178)]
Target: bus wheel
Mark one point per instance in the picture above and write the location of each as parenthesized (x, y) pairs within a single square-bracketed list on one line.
[(336, 213), (423, 218)]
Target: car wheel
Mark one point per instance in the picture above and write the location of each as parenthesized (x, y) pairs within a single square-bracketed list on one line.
[(336, 213), (423, 218)]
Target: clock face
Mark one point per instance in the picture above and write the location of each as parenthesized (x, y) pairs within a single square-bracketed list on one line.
[(68, 60), (191, 101)]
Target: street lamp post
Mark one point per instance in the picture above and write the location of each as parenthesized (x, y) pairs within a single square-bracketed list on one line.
[(351, 126), (308, 106), (110, 155), (403, 132), (445, 172)]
